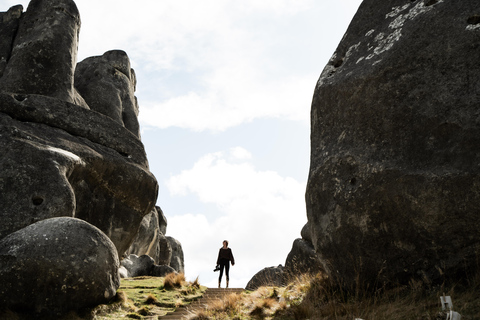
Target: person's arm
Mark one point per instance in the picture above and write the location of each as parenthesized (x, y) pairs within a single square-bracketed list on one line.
[(231, 257), (218, 259)]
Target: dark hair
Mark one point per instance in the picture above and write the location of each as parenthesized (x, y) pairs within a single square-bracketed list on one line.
[(226, 242)]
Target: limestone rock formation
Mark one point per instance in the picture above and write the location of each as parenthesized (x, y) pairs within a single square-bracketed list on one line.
[(63, 158), (44, 51), (302, 259), (107, 83), (393, 191), (271, 276), (138, 266), (148, 237), (176, 261), (66, 158), (151, 241), (9, 22), (56, 265)]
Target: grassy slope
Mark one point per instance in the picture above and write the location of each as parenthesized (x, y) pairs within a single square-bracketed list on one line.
[(148, 296), (315, 298)]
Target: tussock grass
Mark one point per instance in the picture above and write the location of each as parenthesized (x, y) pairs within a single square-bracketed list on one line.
[(319, 297), (173, 280)]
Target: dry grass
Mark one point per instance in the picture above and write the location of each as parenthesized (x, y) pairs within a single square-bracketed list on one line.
[(317, 297), (174, 280)]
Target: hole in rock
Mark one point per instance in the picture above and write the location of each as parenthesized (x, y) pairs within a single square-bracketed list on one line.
[(430, 2), (20, 97), (338, 63), (474, 19), (353, 181), (124, 154), (37, 200)]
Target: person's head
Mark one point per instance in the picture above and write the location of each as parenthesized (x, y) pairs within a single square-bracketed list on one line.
[(225, 243)]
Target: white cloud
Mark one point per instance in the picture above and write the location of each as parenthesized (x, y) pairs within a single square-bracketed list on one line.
[(261, 213)]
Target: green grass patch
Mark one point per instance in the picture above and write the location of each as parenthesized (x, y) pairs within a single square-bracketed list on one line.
[(147, 296)]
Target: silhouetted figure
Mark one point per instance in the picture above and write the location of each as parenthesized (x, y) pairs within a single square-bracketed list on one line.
[(225, 255)]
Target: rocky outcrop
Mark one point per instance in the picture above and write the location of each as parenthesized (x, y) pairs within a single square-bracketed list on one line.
[(302, 259), (92, 166), (271, 276), (44, 52), (138, 266), (151, 241), (107, 83), (147, 238), (393, 191), (75, 184), (57, 265), (176, 260), (9, 22)]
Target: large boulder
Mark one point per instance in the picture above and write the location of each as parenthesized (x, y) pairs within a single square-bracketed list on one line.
[(107, 83), (176, 262), (393, 192), (138, 266), (57, 265), (91, 168), (267, 277)]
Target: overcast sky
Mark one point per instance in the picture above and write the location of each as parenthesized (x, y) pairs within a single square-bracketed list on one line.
[(224, 88)]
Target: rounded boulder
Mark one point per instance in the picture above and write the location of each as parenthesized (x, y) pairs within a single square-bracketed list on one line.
[(57, 265)]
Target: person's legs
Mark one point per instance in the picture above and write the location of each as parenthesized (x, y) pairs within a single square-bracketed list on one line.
[(221, 273), (227, 269)]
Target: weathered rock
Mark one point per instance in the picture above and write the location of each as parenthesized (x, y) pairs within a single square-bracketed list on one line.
[(393, 191), (9, 22), (135, 266), (57, 265), (162, 220), (97, 172), (138, 266), (165, 251), (123, 272), (107, 83), (272, 276), (302, 259), (147, 239), (176, 261), (161, 271), (44, 51)]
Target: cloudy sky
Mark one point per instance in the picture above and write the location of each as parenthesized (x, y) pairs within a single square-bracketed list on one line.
[(224, 88)]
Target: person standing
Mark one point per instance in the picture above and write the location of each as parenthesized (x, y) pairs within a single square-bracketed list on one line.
[(225, 256)]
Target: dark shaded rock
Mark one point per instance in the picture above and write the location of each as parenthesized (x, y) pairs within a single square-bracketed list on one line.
[(107, 83), (272, 276), (98, 173), (177, 261), (44, 51), (57, 265), (9, 22), (147, 239), (393, 191), (162, 220), (161, 271), (165, 251), (138, 266), (302, 259)]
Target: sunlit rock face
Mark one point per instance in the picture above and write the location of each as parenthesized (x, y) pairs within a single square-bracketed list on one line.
[(393, 191)]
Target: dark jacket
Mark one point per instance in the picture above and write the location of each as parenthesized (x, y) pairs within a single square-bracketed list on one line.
[(225, 254)]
